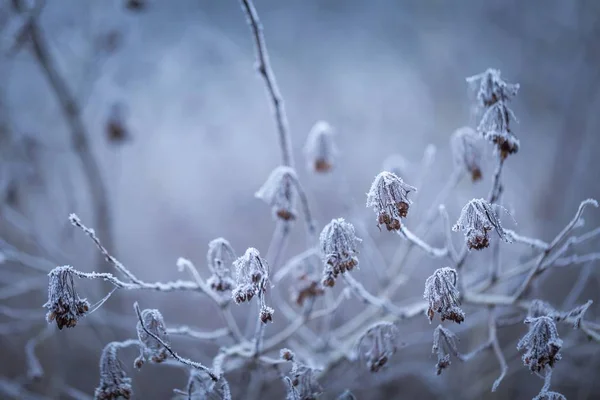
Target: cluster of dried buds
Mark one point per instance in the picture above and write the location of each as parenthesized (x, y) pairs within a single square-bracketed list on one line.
[(477, 218), (277, 192), (219, 257), (377, 345), (151, 348), (467, 151), (252, 279), (64, 305), (114, 383), (320, 150), (541, 344), (339, 249), (442, 295), (388, 197), (493, 94)]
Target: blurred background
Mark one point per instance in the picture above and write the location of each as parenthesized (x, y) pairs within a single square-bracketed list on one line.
[(147, 118)]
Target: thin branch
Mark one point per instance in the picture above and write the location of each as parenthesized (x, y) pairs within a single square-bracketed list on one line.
[(497, 187), (432, 251), (497, 350), (187, 331)]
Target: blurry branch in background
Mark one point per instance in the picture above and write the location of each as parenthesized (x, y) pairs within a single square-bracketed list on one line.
[(33, 34)]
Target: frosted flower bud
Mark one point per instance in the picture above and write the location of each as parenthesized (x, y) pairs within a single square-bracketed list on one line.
[(377, 345), (495, 128), (219, 257), (476, 219), (286, 354), (152, 349), (541, 344), (539, 308), (444, 344), (388, 197), (320, 150), (442, 295), (467, 151), (64, 304), (114, 383), (491, 88), (252, 276), (277, 193), (266, 314), (338, 244)]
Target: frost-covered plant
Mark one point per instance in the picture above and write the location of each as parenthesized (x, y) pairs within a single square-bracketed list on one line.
[(219, 258), (442, 295), (476, 219), (151, 348), (540, 308), (64, 304), (388, 197), (467, 151), (444, 344), (320, 150), (339, 249), (302, 382), (252, 279), (277, 192), (377, 344), (114, 383), (541, 344), (201, 387)]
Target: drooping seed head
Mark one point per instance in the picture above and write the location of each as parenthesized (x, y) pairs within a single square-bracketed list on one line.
[(541, 344), (114, 383), (444, 344), (388, 197), (252, 276), (339, 249), (467, 151), (220, 257), (64, 304), (320, 150), (476, 219), (277, 192), (152, 349), (442, 295), (377, 345), (495, 128)]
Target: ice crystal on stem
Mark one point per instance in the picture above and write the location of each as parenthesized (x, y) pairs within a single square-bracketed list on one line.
[(277, 192), (541, 344), (64, 304), (220, 257), (388, 197), (339, 251), (476, 219), (442, 295), (320, 150), (467, 151), (377, 345), (152, 349)]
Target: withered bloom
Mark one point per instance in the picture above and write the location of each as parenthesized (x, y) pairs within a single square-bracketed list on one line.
[(151, 348), (320, 150), (64, 304), (252, 276), (467, 151), (444, 344), (277, 192), (114, 383), (476, 219), (442, 295), (219, 258), (338, 244), (377, 345), (388, 197), (541, 344), (307, 288)]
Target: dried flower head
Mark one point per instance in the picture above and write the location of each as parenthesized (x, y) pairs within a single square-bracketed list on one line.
[(539, 308), (541, 344), (339, 252), (64, 304), (252, 276), (444, 344), (277, 192), (320, 150), (200, 386), (152, 349), (491, 88), (220, 257), (476, 219), (377, 345), (307, 287), (114, 383), (467, 151), (442, 295), (389, 198)]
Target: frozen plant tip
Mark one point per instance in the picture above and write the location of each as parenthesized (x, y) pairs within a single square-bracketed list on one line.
[(277, 192), (338, 244), (476, 219), (539, 308), (541, 344), (388, 197), (252, 276), (320, 150), (152, 349), (377, 345), (64, 305), (491, 88), (444, 344), (442, 295), (467, 151), (219, 257), (114, 383)]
